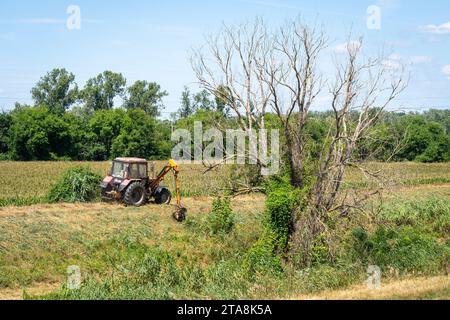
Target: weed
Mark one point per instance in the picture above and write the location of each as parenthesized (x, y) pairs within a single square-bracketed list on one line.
[(221, 219)]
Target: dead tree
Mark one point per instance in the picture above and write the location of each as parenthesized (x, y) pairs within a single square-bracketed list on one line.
[(288, 68), (279, 72), (228, 61), (360, 94)]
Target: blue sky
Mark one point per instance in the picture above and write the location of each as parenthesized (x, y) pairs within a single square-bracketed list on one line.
[(151, 40)]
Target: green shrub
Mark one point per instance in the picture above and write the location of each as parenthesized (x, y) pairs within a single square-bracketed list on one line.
[(261, 258), (266, 254), (281, 201), (221, 219), (404, 249), (75, 185)]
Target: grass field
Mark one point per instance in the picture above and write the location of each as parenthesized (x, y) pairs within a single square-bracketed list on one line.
[(28, 182), (126, 252)]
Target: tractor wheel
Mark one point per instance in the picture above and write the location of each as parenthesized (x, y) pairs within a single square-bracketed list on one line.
[(135, 195), (163, 196)]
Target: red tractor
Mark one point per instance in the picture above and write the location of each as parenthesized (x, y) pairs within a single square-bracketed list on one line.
[(129, 182)]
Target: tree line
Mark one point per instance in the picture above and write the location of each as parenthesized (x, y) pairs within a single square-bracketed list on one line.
[(66, 122)]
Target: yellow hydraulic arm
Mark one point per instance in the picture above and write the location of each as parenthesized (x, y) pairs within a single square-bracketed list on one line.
[(180, 214)]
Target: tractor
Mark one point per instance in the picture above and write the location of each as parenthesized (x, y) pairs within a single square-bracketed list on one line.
[(129, 182)]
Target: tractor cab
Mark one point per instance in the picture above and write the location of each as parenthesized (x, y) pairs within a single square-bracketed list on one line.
[(129, 168)]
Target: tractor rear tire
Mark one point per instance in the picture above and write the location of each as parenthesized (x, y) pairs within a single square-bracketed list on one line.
[(135, 195), (163, 196)]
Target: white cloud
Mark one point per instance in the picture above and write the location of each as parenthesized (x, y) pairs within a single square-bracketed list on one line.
[(399, 43), (436, 29), (352, 46), (446, 71), (393, 62), (396, 61), (42, 21)]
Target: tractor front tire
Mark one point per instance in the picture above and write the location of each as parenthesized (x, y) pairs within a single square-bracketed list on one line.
[(163, 196), (135, 195)]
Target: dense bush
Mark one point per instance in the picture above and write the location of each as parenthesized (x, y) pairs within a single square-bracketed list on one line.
[(75, 185), (281, 201), (221, 219), (266, 253)]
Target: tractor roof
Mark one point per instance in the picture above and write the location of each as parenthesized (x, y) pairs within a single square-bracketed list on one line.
[(131, 160)]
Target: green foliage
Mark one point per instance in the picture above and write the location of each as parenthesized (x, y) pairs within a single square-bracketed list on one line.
[(94, 130), (186, 108), (404, 249), (75, 185), (142, 272), (112, 133), (202, 101), (192, 103), (280, 203), (5, 124), (137, 138), (146, 96), (103, 127), (262, 258), (37, 134), (183, 263), (409, 239), (99, 92), (411, 137), (57, 90), (266, 253), (223, 98), (221, 219)]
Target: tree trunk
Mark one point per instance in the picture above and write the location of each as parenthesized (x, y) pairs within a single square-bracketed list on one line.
[(295, 159)]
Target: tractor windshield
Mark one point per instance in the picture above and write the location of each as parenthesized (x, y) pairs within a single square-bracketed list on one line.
[(119, 169)]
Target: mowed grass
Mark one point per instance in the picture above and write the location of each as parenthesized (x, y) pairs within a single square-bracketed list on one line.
[(116, 244), (38, 243), (25, 183)]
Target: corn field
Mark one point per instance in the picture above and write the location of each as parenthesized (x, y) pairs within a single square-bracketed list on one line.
[(28, 182)]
